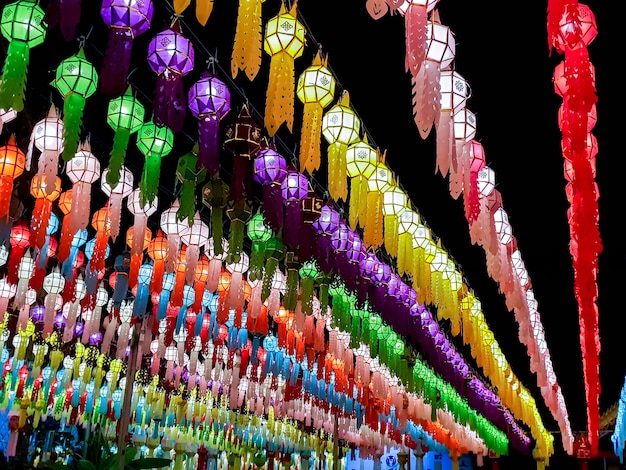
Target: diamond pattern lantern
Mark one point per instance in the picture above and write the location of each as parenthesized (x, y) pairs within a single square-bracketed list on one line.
[(126, 20), (23, 25), (155, 142), (170, 56)]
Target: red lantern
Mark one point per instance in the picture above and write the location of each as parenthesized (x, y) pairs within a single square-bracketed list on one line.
[(12, 164)]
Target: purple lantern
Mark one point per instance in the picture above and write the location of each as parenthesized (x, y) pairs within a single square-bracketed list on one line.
[(209, 102), (170, 56), (270, 170), (126, 20), (324, 228), (295, 187)]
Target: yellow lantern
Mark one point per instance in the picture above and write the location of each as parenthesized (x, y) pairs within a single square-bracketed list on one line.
[(316, 90), (395, 200), (284, 42), (361, 160)]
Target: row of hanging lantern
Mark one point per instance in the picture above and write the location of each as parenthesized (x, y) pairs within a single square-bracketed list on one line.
[(571, 28), (74, 98)]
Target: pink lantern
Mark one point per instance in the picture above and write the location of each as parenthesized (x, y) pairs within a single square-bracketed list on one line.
[(126, 20), (170, 56), (195, 238), (576, 30), (83, 170), (416, 30)]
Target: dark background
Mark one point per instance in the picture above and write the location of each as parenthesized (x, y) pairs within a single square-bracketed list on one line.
[(502, 52)]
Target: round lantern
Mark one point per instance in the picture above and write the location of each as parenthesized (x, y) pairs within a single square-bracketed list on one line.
[(394, 201), (258, 233), (503, 227), (209, 102), (174, 229), (316, 90), (361, 160), (295, 187), (12, 164), (76, 79), (125, 116), (270, 169), (284, 41), (83, 170), (154, 142), (416, 26), (126, 20), (47, 137), (486, 180), (195, 238), (171, 57), (575, 30), (23, 25), (117, 194)]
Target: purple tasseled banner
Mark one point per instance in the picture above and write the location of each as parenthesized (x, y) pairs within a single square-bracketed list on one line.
[(241, 180), (116, 64), (66, 15), (170, 101), (272, 207), (324, 253), (307, 238), (293, 214), (209, 143)]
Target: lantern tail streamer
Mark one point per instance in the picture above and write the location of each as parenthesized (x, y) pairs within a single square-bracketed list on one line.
[(310, 138), (13, 84), (246, 54), (444, 143), (180, 6), (426, 99), (209, 143), (272, 207), (81, 203), (337, 181), (118, 154), (39, 222), (48, 169), (170, 104), (150, 179), (280, 93), (203, 11), (73, 106), (416, 26), (116, 63), (6, 192)]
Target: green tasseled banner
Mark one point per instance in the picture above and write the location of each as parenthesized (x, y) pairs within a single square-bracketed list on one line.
[(149, 185), (217, 225), (323, 287), (14, 76), (290, 299), (73, 107), (118, 154), (307, 285), (187, 204), (270, 270), (257, 260), (235, 241)]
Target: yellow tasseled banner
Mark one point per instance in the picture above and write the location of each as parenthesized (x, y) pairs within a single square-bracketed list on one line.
[(436, 286), (422, 274), (280, 93), (203, 11), (337, 173), (310, 137), (391, 234), (246, 54), (358, 188), (405, 252), (465, 320), (455, 313), (373, 228), (180, 6)]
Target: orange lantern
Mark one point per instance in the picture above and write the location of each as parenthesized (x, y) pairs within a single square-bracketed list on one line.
[(157, 251), (43, 208), (12, 164)]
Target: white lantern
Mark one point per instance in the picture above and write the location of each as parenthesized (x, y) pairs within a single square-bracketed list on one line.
[(122, 190)]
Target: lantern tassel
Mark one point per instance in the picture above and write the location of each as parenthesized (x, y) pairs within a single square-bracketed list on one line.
[(116, 63), (373, 229), (149, 184), (39, 222), (426, 100), (118, 154), (73, 107), (444, 139), (310, 137), (6, 192), (416, 27), (170, 104), (209, 143), (246, 55), (13, 84), (280, 93), (337, 181), (203, 11)]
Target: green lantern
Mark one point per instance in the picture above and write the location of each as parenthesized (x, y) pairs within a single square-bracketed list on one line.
[(125, 115), (155, 142), (309, 272), (258, 233), (76, 79), (23, 25)]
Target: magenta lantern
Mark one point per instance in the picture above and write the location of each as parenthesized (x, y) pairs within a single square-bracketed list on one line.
[(270, 170), (171, 57), (126, 20), (295, 187), (209, 102)]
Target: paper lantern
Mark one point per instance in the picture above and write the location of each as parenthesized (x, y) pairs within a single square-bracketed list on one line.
[(157, 251), (83, 170), (47, 137), (284, 41), (416, 32), (258, 233), (394, 201), (340, 127), (126, 20), (116, 195), (12, 164), (141, 211), (503, 227), (23, 25), (174, 229), (454, 92), (295, 188), (209, 102), (361, 160), (464, 124), (195, 238), (125, 115), (378, 182), (171, 57), (246, 53), (154, 142), (270, 169), (53, 285), (76, 79), (576, 29), (236, 291), (316, 90), (42, 210)]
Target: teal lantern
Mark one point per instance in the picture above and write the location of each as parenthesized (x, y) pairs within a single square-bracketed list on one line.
[(76, 79), (155, 142), (23, 25), (125, 115)]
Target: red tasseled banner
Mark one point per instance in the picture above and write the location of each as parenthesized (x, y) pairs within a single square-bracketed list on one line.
[(415, 28), (556, 9)]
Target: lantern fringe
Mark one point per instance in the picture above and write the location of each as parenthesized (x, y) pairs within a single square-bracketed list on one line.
[(373, 227), (39, 222), (14, 72), (426, 99), (204, 8), (357, 208), (6, 193), (247, 52), (73, 107), (116, 63), (48, 169), (81, 205), (337, 170), (209, 143), (416, 30), (272, 207), (310, 137), (445, 139), (390, 234), (280, 93), (149, 184), (118, 154), (170, 103)]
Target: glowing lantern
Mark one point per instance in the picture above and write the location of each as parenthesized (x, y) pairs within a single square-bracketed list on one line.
[(408, 222), (340, 127), (361, 160), (126, 19), (76, 80), (209, 102), (258, 233), (295, 188), (53, 284), (236, 291), (394, 201), (23, 26), (83, 170), (125, 116), (20, 241), (238, 213), (174, 229), (155, 142), (270, 169), (284, 41), (157, 251), (12, 164), (502, 225), (141, 211), (316, 90), (575, 30), (7, 291), (171, 57), (47, 137), (377, 184), (246, 53), (42, 210), (116, 194), (195, 238)]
